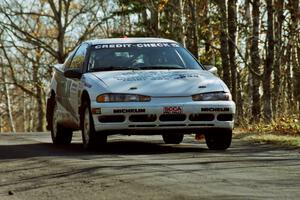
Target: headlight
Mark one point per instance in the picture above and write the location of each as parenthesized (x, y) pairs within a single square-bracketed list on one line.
[(212, 96), (104, 98)]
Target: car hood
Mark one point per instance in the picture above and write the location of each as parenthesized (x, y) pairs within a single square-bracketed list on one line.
[(161, 82)]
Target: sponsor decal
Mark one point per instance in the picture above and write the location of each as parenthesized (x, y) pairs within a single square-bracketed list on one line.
[(136, 45), (129, 110), (214, 109), (159, 75), (172, 110), (74, 87)]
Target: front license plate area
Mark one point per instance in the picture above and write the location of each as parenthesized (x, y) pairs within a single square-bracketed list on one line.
[(173, 110)]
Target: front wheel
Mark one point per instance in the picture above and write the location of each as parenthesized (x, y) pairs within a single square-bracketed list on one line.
[(59, 134), (218, 139), (90, 138)]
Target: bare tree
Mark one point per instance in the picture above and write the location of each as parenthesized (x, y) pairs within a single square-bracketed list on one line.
[(232, 29), (60, 19), (224, 41), (7, 98), (293, 6), (41, 34), (255, 61), (267, 108), (278, 56)]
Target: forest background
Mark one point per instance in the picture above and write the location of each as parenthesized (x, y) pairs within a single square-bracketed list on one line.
[(255, 44)]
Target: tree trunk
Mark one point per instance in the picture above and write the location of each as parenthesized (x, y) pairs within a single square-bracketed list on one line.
[(289, 89), (248, 87), (31, 114), (255, 62), (39, 92), (8, 103), (267, 109), (0, 123), (194, 28), (232, 18), (295, 15), (278, 61), (209, 35), (40, 110), (297, 77), (293, 6), (182, 22), (224, 42), (145, 22), (24, 112), (240, 101), (153, 7), (61, 30)]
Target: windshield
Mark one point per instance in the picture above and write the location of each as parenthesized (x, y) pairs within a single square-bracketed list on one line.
[(140, 56)]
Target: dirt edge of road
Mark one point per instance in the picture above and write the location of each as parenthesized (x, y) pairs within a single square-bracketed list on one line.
[(268, 138)]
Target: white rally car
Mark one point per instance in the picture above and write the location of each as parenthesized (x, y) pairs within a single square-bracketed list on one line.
[(130, 86)]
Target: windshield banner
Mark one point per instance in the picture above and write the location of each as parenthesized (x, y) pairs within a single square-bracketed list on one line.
[(135, 45)]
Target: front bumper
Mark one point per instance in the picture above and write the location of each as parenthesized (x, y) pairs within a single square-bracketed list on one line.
[(152, 116)]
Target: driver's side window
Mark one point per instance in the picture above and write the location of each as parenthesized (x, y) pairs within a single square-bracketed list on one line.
[(79, 57)]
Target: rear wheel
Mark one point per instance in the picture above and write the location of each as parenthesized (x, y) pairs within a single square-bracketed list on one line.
[(59, 134), (90, 138), (173, 138), (218, 139)]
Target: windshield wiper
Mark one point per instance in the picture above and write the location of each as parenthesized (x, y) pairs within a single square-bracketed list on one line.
[(112, 68), (162, 67)]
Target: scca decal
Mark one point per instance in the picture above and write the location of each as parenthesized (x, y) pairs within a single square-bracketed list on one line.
[(215, 109), (138, 110), (172, 110)]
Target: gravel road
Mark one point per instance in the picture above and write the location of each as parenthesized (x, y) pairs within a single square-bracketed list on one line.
[(142, 167)]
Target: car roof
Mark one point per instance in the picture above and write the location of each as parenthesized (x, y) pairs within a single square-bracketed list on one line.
[(128, 40)]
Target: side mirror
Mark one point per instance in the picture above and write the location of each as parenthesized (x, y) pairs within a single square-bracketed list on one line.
[(212, 69), (73, 73)]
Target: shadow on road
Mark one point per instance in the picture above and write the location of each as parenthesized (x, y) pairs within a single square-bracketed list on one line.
[(22, 150), (19, 151)]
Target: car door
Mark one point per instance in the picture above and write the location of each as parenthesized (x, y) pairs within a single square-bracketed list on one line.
[(61, 81), (72, 86)]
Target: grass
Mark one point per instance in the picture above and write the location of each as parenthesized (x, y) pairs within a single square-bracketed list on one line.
[(283, 131), (269, 138)]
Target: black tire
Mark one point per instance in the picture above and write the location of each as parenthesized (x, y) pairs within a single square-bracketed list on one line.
[(90, 138), (218, 139), (49, 111), (59, 134), (173, 138)]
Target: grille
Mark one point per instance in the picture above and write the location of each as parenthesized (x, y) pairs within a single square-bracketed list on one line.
[(202, 117), (225, 117), (111, 118), (201, 125), (142, 125), (171, 125), (142, 118), (172, 117)]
